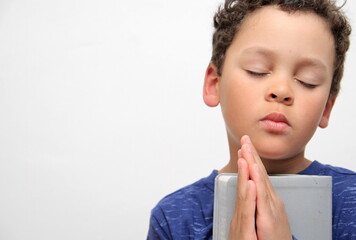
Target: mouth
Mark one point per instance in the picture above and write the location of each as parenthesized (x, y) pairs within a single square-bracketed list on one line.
[(275, 123)]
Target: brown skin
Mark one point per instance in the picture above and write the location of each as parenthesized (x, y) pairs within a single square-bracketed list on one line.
[(278, 63), (260, 213)]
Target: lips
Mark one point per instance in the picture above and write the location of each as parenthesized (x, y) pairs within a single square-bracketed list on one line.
[(276, 117), (275, 123)]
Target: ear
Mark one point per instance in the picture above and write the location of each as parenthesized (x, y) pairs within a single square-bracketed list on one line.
[(211, 86), (327, 111)]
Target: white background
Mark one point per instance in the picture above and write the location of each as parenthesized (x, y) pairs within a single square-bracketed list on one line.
[(101, 114)]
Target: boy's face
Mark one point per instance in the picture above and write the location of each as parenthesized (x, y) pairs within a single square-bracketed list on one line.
[(275, 81)]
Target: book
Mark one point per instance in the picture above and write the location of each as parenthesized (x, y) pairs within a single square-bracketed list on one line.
[(307, 199)]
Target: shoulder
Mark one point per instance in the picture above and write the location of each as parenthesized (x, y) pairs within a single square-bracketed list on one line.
[(344, 202), (200, 190), (344, 187), (343, 197), (344, 180), (337, 173), (187, 211), (317, 168)]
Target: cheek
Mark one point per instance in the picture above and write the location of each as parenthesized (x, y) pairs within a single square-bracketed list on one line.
[(311, 113), (237, 98), (238, 90), (239, 106)]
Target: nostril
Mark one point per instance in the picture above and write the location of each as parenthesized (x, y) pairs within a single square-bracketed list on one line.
[(287, 99), (273, 95)]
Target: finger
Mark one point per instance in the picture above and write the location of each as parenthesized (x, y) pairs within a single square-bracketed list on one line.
[(243, 224), (249, 211), (250, 153), (271, 217), (264, 190), (263, 175), (239, 154), (261, 188), (257, 171), (251, 198), (245, 150), (242, 178), (249, 148)]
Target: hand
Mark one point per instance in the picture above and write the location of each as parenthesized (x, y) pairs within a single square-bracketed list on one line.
[(243, 222), (259, 212)]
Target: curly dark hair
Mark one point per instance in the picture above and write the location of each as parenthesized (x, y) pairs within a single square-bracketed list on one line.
[(230, 16)]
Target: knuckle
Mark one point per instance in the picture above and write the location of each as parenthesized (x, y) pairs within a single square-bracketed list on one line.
[(265, 196), (240, 198), (245, 215)]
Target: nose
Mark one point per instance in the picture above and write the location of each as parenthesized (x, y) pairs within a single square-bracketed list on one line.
[(281, 93)]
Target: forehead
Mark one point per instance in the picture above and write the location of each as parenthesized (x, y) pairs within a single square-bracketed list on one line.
[(274, 9), (286, 34)]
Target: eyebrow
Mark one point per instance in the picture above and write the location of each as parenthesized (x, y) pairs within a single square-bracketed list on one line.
[(258, 50), (314, 63), (305, 61)]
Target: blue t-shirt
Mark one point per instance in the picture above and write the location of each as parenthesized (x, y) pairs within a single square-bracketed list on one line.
[(188, 212)]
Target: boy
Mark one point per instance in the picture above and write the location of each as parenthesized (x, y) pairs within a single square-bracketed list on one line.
[(275, 71)]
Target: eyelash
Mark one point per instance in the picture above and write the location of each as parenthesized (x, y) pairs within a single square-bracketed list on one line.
[(307, 85), (257, 74)]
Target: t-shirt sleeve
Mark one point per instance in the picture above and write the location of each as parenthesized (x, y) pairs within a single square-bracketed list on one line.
[(345, 213), (158, 228)]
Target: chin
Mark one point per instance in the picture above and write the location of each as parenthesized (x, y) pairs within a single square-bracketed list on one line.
[(275, 153), (277, 148)]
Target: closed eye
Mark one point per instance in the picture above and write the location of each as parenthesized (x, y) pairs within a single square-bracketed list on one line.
[(307, 85), (258, 74)]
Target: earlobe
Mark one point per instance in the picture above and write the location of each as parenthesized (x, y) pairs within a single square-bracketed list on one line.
[(324, 122), (211, 86)]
